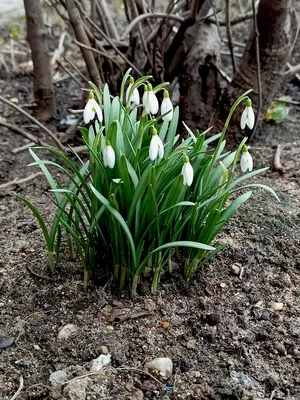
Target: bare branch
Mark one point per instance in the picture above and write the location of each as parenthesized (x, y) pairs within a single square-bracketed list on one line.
[(229, 35), (293, 71), (149, 15), (259, 102), (81, 36), (99, 52), (112, 30), (69, 73), (76, 69)]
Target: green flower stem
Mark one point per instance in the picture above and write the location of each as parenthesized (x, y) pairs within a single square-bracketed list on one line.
[(134, 285), (123, 277), (71, 248), (51, 261)]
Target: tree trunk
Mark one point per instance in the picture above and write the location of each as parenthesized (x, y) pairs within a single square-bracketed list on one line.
[(199, 88), (278, 28), (37, 38)]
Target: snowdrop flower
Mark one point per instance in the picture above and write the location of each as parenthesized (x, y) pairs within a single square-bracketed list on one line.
[(166, 106), (248, 117), (91, 109), (150, 101), (246, 160), (187, 171), (156, 146), (109, 157), (135, 97)]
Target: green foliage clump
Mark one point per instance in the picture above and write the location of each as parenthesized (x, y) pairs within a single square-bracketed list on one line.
[(132, 204)]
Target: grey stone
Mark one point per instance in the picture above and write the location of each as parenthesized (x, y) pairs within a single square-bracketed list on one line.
[(76, 390), (66, 331), (163, 366)]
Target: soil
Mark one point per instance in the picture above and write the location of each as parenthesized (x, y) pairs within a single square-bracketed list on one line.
[(220, 331)]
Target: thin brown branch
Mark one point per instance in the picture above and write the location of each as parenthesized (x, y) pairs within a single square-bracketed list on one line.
[(69, 73), (99, 52), (235, 21), (81, 36), (259, 102), (19, 149), (229, 34), (112, 30), (76, 69), (17, 181), (19, 389), (141, 17), (134, 7), (107, 39), (28, 135)]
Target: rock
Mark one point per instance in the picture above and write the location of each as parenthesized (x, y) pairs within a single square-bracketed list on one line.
[(4, 343), (103, 350), (57, 379), (163, 366), (265, 315), (280, 348), (99, 362), (150, 305), (191, 344), (36, 347), (76, 390), (66, 331), (138, 395), (236, 268), (276, 306)]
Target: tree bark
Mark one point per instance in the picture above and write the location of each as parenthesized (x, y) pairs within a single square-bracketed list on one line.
[(278, 26), (198, 80), (37, 38)]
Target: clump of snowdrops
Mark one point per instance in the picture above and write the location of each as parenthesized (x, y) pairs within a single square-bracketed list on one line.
[(144, 192)]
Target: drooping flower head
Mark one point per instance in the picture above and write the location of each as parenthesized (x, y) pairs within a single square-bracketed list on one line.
[(187, 171), (109, 157), (150, 101), (248, 117), (135, 97), (91, 109), (246, 160), (166, 107), (156, 146)]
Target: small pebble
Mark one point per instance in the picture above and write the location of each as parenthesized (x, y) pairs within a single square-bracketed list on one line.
[(163, 366), (276, 306), (280, 348), (103, 350), (191, 344), (265, 315), (236, 268), (66, 331), (36, 347)]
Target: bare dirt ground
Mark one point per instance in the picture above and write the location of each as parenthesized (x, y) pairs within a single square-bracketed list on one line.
[(225, 340)]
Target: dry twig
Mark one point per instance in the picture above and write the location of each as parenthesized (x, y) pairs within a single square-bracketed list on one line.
[(20, 387), (17, 181), (229, 35), (34, 120)]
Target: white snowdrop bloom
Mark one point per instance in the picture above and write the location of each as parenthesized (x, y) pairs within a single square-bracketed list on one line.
[(135, 96), (248, 117), (246, 160), (150, 101), (109, 157), (156, 146), (166, 106), (91, 109), (187, 172)]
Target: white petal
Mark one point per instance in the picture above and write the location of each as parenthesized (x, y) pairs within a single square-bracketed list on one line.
[(244, 118), (166, 106), (145, 99), (188, 174), (246, 161), (110, 156), (251, 118), (153, 149), (135, 97), (160, 147), (152, 102), (98, 110), (88, 113)]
